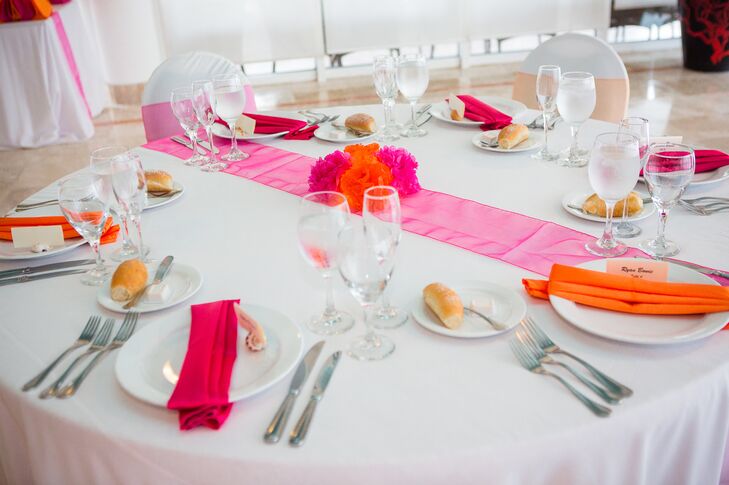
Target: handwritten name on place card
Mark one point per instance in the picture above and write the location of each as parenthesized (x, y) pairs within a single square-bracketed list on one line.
[(640, 268)]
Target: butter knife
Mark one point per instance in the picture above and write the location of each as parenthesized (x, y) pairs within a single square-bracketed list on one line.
[(25, 278), (278, 423), (162, 270), (206, 145), (45, 267), (182, 141), (298, 434)]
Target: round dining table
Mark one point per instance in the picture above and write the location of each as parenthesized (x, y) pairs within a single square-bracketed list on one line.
[(438, 410)]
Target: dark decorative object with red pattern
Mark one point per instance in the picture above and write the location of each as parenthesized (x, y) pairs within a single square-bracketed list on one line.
[(705, 26)]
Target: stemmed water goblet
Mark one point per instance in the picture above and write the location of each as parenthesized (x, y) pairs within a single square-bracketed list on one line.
[(181, 103), (322, 215), (613, 172), (230, 101), (203, 101), (640, 128), (130, 189), (384, 75), (412, 80), (668, 170), (547, 88), (87, 211), (576, 102)]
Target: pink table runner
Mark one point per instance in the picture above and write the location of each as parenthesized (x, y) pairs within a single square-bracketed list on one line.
[(514, 238), (70, 59)]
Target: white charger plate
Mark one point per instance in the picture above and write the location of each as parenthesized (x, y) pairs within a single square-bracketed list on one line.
[(149, 364), (153, 202), (8, 252), (643, 329), (507, 106), (326, 132), (183, 280), (507, 308), (529, 144), (578, 198)]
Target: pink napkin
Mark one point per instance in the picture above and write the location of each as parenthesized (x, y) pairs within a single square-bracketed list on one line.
[(201, 393), (267, 125), (476, 110), (707, 160)]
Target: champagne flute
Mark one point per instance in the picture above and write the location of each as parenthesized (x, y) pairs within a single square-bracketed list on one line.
[(613, 172), (640, 128), (547, 88), (576, 102), (384, 75), (130, 190), (181, 103), (667, 172), (382, 216), (412, 80), (203, 101), (365, 274), (230, 101), (322, 215), (87, 211)]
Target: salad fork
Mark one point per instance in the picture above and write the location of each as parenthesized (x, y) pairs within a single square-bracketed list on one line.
[(530, 363), (85, 338)]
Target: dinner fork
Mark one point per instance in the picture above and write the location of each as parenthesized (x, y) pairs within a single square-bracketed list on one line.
[(86, 335), (125, 331), (547, 345), (530, 363), (100, 341), (529, 343)]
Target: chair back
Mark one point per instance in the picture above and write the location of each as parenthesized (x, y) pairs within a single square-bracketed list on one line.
[(579, 52), (178, 71)]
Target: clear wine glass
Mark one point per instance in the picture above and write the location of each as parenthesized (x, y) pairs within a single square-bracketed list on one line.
[(365, 274), (130, 189), (382, 216), (412, 80), (576, 102), (667, 172), (230, 101), (384, 75), (87, 211), (640, 128), (322, 215), (203, 101), (613, 171), (181, 103), (547, 88)]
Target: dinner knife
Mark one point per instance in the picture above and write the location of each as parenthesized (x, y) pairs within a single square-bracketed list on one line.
[(182, 141), (278, 423), (162, 270), (25, 278), (700, 269), (45, 267), (298, 434), (206, 145)]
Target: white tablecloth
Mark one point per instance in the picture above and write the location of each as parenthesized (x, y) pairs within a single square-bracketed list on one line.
[(41, 103), (439, 410)]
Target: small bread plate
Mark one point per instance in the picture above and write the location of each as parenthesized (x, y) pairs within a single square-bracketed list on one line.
[(643, 329), (573, 201), (154, 201), (223, 131), (183, 281), (339, 134), (9, 252), (504, 306), (149, 364), (531, 143), (507, 106)]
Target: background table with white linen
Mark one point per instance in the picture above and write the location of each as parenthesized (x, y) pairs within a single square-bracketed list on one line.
[(438, 410)]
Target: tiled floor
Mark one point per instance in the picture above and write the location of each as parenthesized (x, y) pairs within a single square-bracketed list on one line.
[(677, 101)]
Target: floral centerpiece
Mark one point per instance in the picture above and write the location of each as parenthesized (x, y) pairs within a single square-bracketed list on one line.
[(360, 167)]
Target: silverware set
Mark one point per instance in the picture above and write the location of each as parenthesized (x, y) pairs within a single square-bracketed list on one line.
[(534, 350), (705, 206), (538, 123), (201, 144), (32, 273), (317, 118), (43, 203), (97, 343)]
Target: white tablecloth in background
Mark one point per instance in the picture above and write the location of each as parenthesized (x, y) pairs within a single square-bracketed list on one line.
[(439, 410), (40, 102)]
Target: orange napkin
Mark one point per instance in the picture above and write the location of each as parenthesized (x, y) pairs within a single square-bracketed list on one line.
[(627, 294), (7, 223)]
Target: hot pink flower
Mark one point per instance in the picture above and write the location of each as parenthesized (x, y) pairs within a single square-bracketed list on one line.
[(402, 164), (326, 171)]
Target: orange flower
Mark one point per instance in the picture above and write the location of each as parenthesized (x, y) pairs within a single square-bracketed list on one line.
[(366, 171)]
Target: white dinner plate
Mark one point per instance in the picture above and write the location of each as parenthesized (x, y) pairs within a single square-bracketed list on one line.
[(224, 132), (153, 202), (507, 106), (505, 306), (149, 364), (643, 329), (8, 252), (531, 143), (327, 132), (706, 178), (576, 199), (183, 281)]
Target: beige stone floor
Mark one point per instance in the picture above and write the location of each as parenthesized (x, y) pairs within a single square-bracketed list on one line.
[(677, 101)]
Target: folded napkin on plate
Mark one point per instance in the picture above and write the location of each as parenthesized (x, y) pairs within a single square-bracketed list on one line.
[(18, 10), (268, 125), (708, 160), (476, 110), (201, 393), (627, 294), (109, 235)]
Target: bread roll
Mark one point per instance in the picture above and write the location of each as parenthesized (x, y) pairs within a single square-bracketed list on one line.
[(596, 206), (158, 181), (129, 278), (510, 136), (445, 303), (361, 123), (456, 116)]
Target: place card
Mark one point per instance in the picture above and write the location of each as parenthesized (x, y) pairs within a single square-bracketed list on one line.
[(457, 107), (245, 125), (30, 236), (643, 269)]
